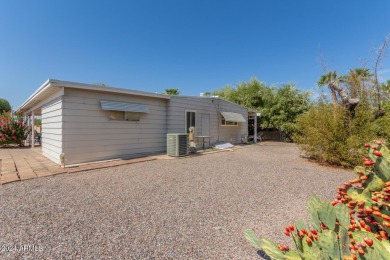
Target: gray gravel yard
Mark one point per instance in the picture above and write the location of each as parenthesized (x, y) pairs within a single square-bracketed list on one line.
[(188, 208)]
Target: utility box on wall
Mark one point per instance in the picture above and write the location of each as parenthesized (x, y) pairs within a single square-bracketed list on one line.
[(177, 144)]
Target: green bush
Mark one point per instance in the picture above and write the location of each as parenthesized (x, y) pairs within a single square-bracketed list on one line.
[(12, 129), (4, 105), (334, 135)]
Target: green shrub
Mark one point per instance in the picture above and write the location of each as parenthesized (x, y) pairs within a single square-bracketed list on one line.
[(335, 135), (4, 105), (12, 129)]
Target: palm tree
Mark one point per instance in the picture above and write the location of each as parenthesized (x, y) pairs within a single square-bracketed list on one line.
[(355, 80), (172, 91), (331, 79)]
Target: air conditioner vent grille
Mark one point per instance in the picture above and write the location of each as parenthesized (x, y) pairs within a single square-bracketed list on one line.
[(177, 144)]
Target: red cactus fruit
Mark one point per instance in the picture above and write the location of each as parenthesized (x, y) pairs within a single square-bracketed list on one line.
[(362, 223), (368, 163), (368, 210), (383, 234), (385, 217), (386, 224), (360, 204), (368, 241), (377, 153)]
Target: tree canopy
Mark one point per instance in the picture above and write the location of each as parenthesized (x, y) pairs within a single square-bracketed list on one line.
[(172, 91), (279, 107), (4, 105)]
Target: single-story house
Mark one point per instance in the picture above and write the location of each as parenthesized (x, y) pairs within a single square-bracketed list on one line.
[(86, 122)]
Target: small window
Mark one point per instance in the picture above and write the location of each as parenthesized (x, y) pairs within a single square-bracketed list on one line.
[(224, 122), (124, 116), (131, 116), (117, 115)]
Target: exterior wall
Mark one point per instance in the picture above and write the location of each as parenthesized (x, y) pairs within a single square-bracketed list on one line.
[(52, 129), (89, 134), (207, 106), (233, 134)]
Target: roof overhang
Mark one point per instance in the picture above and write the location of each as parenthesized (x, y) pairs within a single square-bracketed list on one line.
[(51, 86)]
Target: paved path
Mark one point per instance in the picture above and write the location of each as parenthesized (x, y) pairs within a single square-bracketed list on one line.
[(188, 208), (23, 164), (19, 164)]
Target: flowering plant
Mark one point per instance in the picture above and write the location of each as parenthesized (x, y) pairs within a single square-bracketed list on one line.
[(12, 129)]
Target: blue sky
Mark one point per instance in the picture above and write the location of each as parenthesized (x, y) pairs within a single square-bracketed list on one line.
[(195, 46)]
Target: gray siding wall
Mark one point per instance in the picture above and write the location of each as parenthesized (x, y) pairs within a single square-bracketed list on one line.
[(233, 134), (89, 134), (206, 106), (52, 129)]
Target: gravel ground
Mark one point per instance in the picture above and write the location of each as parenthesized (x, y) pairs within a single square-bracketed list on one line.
[(189, 208)]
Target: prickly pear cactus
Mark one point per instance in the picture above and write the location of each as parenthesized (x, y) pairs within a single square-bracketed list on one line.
[(353, 226)]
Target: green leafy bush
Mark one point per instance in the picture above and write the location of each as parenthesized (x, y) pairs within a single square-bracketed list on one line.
[(4, 105), (12, 129), (331, 134)]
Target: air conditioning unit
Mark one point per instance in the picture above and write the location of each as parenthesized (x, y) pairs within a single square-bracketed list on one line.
[(177, 144)]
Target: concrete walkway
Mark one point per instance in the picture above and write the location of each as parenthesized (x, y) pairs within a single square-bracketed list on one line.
[(18, 164)]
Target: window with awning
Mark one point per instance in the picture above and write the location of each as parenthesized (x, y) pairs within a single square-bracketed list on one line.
[(123, 111), (230, 118), (123, 106)]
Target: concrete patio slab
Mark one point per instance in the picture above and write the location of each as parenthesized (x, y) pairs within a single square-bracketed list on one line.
[(18, 164)]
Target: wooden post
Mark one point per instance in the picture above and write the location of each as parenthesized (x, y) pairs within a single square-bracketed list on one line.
[(32, 130), (255, 130)]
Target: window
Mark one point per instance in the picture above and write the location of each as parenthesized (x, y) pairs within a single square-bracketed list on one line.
[(190, 120), (124, 116), (224, 122)]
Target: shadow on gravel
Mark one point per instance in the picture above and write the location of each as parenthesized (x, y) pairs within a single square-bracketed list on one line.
[(263, 255)]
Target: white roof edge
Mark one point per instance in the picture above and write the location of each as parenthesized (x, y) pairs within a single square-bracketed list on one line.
[(211, 97), (69, 84), (40, 89)]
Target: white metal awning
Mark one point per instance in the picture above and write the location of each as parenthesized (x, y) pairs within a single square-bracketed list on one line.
[(123, 106), (233, 117)]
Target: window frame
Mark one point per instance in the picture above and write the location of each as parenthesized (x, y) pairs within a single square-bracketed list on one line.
[(224, 121), (185, 119), (124, 116)]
